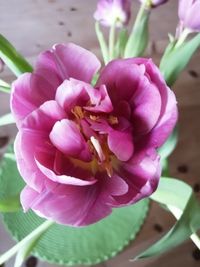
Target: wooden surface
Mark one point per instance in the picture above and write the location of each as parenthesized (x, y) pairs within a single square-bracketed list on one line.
[(34, 25)]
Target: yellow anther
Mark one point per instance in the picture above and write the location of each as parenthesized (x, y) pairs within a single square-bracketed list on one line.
[(113, 120), (94, 118), (78, 112)]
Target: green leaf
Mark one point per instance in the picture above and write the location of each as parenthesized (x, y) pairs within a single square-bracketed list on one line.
[(25, 245), (121, 43), (166, 150), (10, 204), (102, 43), (9, 201), (70, 245), (169, 146), (175, 59), (138, 39), (16, 62), (175, 194), (7, 119), (4, 87), (29, 243)]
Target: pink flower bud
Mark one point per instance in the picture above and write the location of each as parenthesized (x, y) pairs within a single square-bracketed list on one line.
[(111, 12), (189, 14)]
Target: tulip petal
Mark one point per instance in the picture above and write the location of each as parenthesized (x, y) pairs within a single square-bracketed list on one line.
[(67, 138), (100, 100), (142, 176), (121, 79), (116, 186), (26, 164), (78, 205), (68, 61), (29, 91), (72, 93), (64, 179), (192, 18), (27, 197), (146, 104), (184, 6), (33, 135), (121, 144)]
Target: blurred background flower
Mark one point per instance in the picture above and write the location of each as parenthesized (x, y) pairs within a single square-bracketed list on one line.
[(111, 12)]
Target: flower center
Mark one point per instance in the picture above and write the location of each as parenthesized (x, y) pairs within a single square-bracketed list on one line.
[(103, 158)]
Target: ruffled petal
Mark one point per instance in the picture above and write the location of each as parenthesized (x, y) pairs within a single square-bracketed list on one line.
[(146, 105), (68, 61), (34, 135), (121, 79), (29, 91), (27, 167), (142, 175), (72, 93), (100, 100), (44, 118), (78, 205), (64, 179)]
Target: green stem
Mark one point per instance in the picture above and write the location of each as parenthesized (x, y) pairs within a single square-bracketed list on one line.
[(183, 37), (4, 86), (5, 89), (138, 39), (11, 252), (102, 43), (141, 12), (112, 41)]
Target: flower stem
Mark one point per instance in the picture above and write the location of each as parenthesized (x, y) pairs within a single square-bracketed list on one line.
[(102, 43), (112, 41), (4, 86), (11, 252), (138, 39), (183, 37)]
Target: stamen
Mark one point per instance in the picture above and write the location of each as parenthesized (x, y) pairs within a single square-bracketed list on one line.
[(98, 148), (109, 169), (113, 120), (94, 118), (78, 112)]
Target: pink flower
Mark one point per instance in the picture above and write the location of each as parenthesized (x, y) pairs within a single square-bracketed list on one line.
[(189, 14), (111, 12), (155, 3), (82, 150)]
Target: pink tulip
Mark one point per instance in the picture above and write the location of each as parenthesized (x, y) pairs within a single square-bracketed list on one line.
[(84, 150), (189, 14), (155, 3), (111, 12)]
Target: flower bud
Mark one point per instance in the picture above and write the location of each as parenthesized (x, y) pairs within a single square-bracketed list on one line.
[(111, 12), (189, 14)]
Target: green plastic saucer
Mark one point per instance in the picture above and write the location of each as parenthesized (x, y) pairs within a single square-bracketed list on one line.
[(67, 245)]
